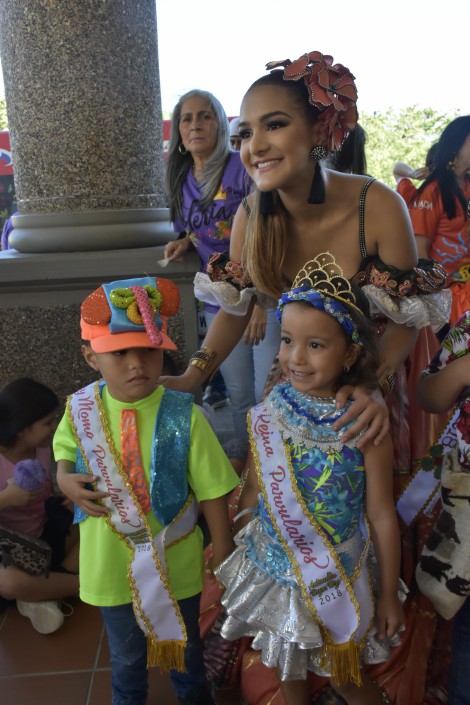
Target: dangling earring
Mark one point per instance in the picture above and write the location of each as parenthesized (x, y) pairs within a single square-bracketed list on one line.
[(266, 203), (451, 165), (181, 150), (318, 152), (346, 369), (317, 189)]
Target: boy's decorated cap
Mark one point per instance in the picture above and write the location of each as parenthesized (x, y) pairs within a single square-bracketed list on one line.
[(130, 313)]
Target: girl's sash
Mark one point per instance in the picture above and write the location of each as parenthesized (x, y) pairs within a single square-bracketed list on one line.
[(343, 606), (422, 491), (155, 607)]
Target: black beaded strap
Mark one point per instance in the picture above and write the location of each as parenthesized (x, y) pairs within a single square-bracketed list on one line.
[(362, 209)]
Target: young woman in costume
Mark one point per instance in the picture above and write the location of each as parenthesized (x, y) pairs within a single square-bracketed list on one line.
[(289, 120)]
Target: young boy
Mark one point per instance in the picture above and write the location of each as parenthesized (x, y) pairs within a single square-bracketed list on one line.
[(151, 457)]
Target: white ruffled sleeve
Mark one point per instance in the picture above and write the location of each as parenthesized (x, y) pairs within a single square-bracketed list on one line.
[(229, 297), (416, 311)]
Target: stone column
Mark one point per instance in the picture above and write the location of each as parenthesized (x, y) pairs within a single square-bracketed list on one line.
[(83, 100)]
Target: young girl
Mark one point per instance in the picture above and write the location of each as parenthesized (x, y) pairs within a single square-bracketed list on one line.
[(27, 423), (298, 581)]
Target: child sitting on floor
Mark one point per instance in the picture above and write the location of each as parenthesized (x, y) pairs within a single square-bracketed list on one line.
[(27, 423)]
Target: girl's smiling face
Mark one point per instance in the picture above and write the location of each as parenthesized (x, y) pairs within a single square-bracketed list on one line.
[(314, 349), (276, 139)]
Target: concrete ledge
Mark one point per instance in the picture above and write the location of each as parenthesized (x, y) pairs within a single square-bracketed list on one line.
[(40, 297), (91, 231)]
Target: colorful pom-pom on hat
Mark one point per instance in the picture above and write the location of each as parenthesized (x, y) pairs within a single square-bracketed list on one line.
[(130, 313)]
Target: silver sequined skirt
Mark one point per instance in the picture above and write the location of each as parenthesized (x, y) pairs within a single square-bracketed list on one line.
[(262, 600)]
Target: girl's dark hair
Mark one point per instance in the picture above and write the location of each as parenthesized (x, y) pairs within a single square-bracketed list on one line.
[(364, 371), (23, 402), (449, 145)]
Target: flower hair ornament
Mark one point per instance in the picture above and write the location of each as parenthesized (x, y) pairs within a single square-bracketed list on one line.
[(322, 284), (331, 89)]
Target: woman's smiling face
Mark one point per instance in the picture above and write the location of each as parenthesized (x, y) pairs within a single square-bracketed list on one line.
[(276, 138)]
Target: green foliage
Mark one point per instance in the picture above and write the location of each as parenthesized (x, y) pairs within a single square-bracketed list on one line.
[(3, 115), (403, 136)]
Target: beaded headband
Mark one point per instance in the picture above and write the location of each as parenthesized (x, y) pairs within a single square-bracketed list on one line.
[(331, 89), (321, 283)]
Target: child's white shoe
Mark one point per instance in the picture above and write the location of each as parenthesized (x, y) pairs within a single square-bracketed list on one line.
[(45, 615)]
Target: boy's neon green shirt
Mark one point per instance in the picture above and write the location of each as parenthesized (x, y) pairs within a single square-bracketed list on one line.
[(104, 557)]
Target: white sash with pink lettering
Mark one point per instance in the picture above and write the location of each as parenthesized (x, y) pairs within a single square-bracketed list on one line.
[(342, 605), (155, 606)]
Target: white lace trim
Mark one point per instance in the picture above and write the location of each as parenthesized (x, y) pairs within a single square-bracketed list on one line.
[(228, 297), (413, 311)]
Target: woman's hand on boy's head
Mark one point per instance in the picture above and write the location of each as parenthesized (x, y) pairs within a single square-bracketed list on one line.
[(368, 411), (73, 487)]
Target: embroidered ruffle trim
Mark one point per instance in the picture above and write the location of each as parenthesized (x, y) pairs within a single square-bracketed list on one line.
[(275, 615), (414, 297), (227, 296)]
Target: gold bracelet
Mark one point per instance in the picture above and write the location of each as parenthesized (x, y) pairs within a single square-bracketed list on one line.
[(203, 358)]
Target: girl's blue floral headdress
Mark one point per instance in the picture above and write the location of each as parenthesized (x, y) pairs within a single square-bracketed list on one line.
[(321, 283)]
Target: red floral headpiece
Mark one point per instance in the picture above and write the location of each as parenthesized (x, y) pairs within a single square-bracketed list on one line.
[(331, 89)]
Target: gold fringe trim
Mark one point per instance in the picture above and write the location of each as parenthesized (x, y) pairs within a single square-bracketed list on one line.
[(168, 655), (342, 661)]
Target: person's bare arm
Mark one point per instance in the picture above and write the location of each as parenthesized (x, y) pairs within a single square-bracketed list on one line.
[(390, 234), (402, 170), (176, 249), (72, 484), (389, 229), (216, 514), (385, 535), (225, 330), (438, 392), (14, 496), (256, 329), (249, 495), (424, 245)]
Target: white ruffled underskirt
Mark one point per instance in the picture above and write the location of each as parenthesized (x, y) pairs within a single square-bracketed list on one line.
[(275, 614)]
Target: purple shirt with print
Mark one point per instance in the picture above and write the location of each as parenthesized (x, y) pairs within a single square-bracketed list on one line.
[(210, 231)]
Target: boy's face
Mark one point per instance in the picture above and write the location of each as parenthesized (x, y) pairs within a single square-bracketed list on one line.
[(130, 374)]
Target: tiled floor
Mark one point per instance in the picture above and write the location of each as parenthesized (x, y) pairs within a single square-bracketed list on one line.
[(69, 667)]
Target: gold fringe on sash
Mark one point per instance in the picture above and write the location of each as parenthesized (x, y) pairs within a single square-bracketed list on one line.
[(168, 655), (342, 661)]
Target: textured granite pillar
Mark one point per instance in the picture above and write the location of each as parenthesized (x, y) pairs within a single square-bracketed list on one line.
[(84, 110)]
